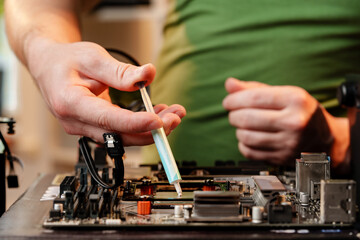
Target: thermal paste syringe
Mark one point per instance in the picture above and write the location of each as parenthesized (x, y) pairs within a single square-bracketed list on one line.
[(163, 147)]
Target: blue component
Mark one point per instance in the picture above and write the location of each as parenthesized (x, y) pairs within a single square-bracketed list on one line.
[(166, 155), (162, 145)]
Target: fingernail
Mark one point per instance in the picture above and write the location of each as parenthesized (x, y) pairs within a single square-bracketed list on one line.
[(173, 126), (180, 113)]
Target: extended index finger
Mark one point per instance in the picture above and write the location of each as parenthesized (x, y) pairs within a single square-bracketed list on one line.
[(265, 97), (233, 85)]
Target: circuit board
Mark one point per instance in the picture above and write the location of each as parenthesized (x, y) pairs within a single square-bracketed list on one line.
[(306, 197)]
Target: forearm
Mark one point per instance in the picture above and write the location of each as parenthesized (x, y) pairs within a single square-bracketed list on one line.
[(27, 22)]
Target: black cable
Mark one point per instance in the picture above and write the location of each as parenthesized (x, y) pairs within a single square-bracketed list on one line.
[(89, 162), (84, 148), (124, 54), (7, 149), (12, 178), (117, 151), (9, 157), (118, 172)]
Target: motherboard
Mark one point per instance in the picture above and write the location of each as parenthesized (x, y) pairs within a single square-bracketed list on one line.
[(301, 198)]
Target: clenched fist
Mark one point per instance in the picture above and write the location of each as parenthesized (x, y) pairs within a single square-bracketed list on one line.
[(276, 123)]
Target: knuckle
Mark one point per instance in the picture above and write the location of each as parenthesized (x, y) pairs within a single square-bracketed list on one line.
[(103, 121), (296, 123), (271, 120), (254, 97), (63, 104), (60, 108), (121, 70), (299, 96)]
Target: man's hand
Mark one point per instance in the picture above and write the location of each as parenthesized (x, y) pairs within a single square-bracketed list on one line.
[(74, 80), (276, 123), (74, 76)]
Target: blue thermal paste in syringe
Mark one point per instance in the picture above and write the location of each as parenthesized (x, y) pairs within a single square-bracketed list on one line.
[(163, 147)]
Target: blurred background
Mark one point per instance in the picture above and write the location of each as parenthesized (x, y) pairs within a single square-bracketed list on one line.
[(134, 26)]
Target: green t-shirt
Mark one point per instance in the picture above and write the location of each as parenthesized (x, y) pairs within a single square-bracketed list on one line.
[(312, 44)]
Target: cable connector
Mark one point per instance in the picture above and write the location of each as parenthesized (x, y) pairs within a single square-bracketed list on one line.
[(115, 150), (12, 181), (113, 144)]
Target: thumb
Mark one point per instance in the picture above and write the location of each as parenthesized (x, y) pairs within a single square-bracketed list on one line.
[(127, 76), (234, 85), (101, 66)]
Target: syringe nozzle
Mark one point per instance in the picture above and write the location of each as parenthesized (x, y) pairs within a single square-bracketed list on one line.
[(178, 188)]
